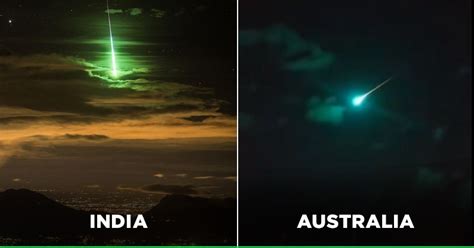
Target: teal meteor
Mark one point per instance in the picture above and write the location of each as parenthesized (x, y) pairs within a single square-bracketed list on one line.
[(356, 101), (114, 62)]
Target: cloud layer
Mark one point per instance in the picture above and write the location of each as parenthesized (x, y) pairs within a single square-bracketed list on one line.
[(54, 96), (297, 54)]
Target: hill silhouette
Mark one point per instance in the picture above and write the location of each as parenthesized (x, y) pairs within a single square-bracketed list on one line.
[(30, 218), (196, 219), (27, 213)]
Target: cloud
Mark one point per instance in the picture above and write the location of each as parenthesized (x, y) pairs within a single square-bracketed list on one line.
[(35, 145), (159, 175), (135, 11), (38, 63), (55, 88), (131, 11), (11, 112), (231, 178), (93, 186), (113, 11), (157, 13), (296, 53), (324, 111), (7, 150), (197, 118), (50, 83), (203, 177), (163, 189), (86, 137), (169, 151), (49, 99)]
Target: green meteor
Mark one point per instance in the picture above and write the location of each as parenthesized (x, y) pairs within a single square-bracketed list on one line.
[(114, 62), (356, 101)]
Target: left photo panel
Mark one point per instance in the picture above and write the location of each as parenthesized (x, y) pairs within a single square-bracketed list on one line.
[(118, 122)]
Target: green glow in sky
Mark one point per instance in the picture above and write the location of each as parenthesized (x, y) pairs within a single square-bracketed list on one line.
[(114, 60)]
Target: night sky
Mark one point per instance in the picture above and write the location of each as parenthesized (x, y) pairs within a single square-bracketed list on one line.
[(165, 125), (303, 146)]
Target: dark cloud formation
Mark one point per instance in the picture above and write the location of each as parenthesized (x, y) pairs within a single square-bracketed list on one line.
[(158, 13), (86, 137), (58, 89), (47, 83), (297, 54), (198, 118)]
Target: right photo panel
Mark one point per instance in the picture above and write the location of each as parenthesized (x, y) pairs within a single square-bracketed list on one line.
[(355, 122)]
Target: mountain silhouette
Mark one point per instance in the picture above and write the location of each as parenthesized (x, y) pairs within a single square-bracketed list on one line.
[(201, 220), (29, 214), (30, 218)]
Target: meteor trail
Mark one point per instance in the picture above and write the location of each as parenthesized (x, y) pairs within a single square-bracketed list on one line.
[(114, 64), (359, 99)]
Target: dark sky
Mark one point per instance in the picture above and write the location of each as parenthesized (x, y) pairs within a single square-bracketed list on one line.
[(303, 63), (303, 147), (173, 40), (167, 121)]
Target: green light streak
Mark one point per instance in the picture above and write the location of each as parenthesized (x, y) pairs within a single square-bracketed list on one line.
[(114, 63), (356, 101), (114, 60)]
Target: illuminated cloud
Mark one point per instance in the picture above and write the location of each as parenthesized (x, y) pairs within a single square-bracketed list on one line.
[(113, 11), (231, 178), (135, 11), (203, 177), (76, 108), (296, 53), (159, 175), (132, 11), (327, 111)]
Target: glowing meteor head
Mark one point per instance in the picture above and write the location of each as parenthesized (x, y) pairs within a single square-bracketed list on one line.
[(114, 73), (356, 101)]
